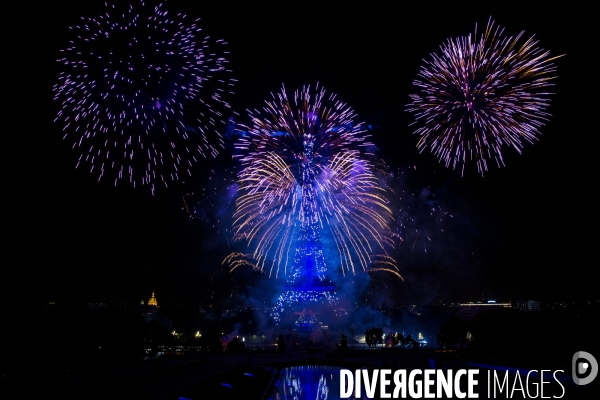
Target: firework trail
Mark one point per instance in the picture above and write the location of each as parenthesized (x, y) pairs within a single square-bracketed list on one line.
[(482, 93), (212, 202), (306, 174), (418, 215), (140, 94)]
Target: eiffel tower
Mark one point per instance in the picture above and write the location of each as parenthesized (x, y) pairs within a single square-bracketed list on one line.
[(307, 286)]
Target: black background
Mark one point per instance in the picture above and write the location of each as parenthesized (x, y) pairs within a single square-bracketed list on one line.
[(524, 231)]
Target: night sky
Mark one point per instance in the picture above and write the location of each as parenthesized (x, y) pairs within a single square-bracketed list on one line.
[(527, 230)]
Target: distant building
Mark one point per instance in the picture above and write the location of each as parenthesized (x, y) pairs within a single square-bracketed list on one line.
[(467, 311), (152, 301), (528, 305)]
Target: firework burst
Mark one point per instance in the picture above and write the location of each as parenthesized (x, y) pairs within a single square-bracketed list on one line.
[(140, 94), (482, 93), (306, 173)]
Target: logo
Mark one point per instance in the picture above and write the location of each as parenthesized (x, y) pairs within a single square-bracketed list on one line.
[(584, 368)]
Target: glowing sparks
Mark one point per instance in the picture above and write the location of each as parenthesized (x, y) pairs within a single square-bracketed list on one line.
[(306, 174), (482, 93), (139, 94)]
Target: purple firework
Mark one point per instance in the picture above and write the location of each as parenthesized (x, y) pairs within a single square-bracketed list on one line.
[(479, 94), (140, 94)]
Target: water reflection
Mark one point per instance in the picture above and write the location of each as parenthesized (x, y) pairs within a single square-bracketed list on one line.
[(309, 382)]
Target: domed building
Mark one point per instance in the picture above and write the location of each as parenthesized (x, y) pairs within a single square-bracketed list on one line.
[(152, 301)]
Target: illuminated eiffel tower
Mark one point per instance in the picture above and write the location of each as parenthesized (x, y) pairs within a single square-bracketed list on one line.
[(307, 286)]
